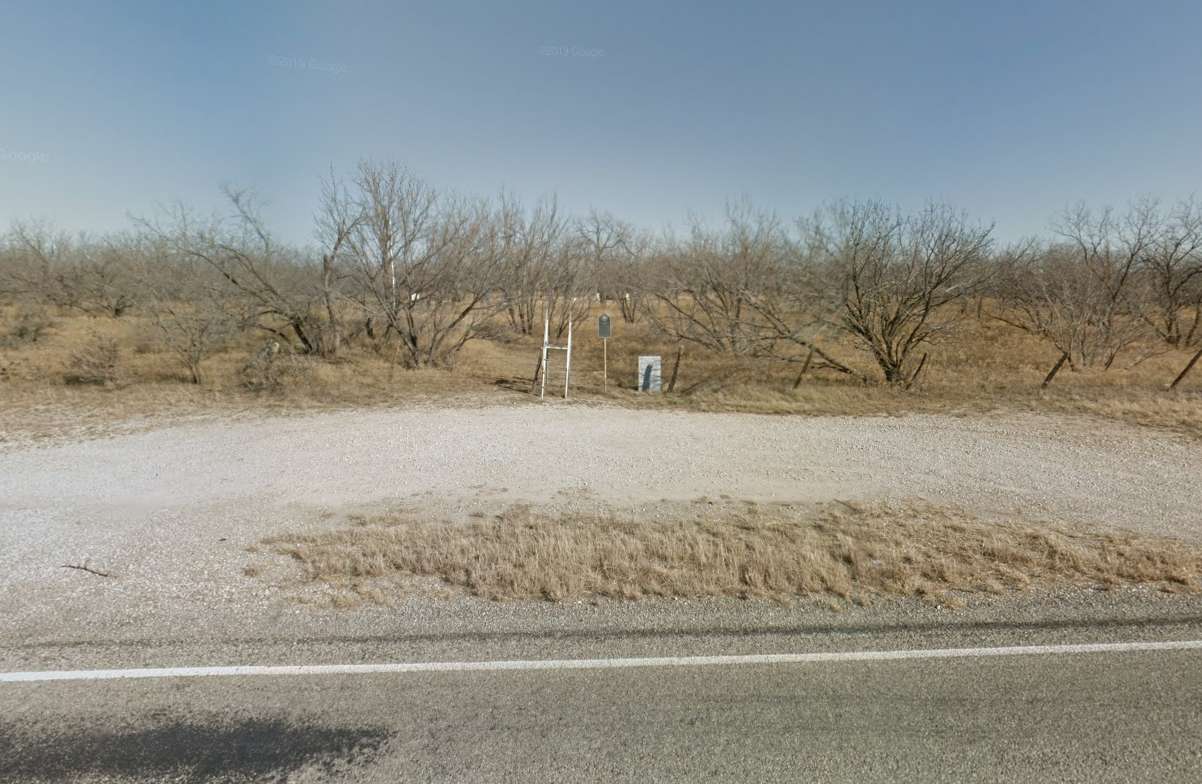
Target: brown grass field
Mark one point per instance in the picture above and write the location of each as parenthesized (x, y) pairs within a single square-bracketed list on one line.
[(984, 366), (838, 552)]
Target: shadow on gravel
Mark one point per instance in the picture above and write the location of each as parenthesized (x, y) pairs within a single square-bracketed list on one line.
[(245, 750)]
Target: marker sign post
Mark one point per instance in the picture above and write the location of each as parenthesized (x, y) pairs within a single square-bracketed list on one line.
[(604, 330)]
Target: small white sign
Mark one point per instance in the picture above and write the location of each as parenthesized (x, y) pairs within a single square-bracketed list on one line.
[(650, 373)]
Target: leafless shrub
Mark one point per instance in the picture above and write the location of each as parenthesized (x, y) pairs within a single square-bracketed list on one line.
[(195, 330), (337, 221), (894, 273), (1169, 299), (193, 312), (92, 276), (546, 269), (97, 362), (1080, 294), (743, 290), (272, 370), (424, 265), (530, 242), (28, 325), (278, 293), (617, 255)]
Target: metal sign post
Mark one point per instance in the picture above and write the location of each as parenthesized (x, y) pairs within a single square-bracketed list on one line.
[(567, 361), (604, 329), (542, 389)]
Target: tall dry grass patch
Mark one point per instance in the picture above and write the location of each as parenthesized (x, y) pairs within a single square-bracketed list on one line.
[(855, 553)]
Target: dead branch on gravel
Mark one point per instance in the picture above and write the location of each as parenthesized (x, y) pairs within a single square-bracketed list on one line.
[(84, 567)]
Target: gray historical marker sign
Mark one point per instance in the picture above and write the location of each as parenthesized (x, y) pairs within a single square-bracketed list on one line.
[(604, 327), (650, 373)]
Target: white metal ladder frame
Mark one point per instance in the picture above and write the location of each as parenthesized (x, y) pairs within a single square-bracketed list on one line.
[(567, 367)]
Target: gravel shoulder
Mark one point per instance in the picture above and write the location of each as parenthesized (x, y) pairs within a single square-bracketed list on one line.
[(171, 511)]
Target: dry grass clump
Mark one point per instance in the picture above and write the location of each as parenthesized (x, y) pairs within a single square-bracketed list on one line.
[(96, 362), (779, 553), (28, 324)]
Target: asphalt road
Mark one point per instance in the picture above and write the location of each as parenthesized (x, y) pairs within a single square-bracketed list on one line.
[(1090, 717)]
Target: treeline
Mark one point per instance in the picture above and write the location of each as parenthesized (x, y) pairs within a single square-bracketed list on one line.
[(416, 273)]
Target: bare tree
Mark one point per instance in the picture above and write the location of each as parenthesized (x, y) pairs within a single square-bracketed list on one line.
[(1080, 294), (742, 291), (339, 218), (195, 328), (1170, 298), (188, 302), (399, 216), (424, 264), (533, 242), (278, 292), (571, 285), (89, 275), (615, 251), (893, 274)]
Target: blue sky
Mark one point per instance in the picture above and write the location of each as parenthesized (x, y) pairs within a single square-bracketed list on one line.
[(651, 110)]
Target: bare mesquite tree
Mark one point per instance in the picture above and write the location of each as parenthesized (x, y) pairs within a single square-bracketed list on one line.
[(425, 265), (397, 223), (1082, 294), (703, 285), (189, 303), (571, 287), (892, 274), (1169, 299), (270, 282), (615, 251), (338, 218), (1048, 292), (741, 290), (545, 268), (86, 274)]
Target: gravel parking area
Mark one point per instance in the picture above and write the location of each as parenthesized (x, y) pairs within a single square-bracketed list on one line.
[(171, 511)]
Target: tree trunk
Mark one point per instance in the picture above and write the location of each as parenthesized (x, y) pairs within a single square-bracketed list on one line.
[(675, 368), (921, 363)]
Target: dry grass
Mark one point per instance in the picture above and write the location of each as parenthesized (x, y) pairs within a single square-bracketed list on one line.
[(986, 366), (850, 552)]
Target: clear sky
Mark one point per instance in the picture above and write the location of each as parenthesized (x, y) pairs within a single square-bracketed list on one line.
[(651, 110)]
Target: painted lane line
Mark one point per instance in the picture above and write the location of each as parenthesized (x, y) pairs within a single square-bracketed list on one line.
[(594, 664)]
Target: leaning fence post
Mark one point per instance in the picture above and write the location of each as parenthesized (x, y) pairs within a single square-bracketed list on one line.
[(1181, 376), (1055, 369), (805, 366)]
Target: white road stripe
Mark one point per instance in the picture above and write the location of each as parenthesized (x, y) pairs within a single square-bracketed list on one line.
[(593, 664)]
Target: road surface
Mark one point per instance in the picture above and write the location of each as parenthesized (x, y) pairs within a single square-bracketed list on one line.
[(1114, 715)]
